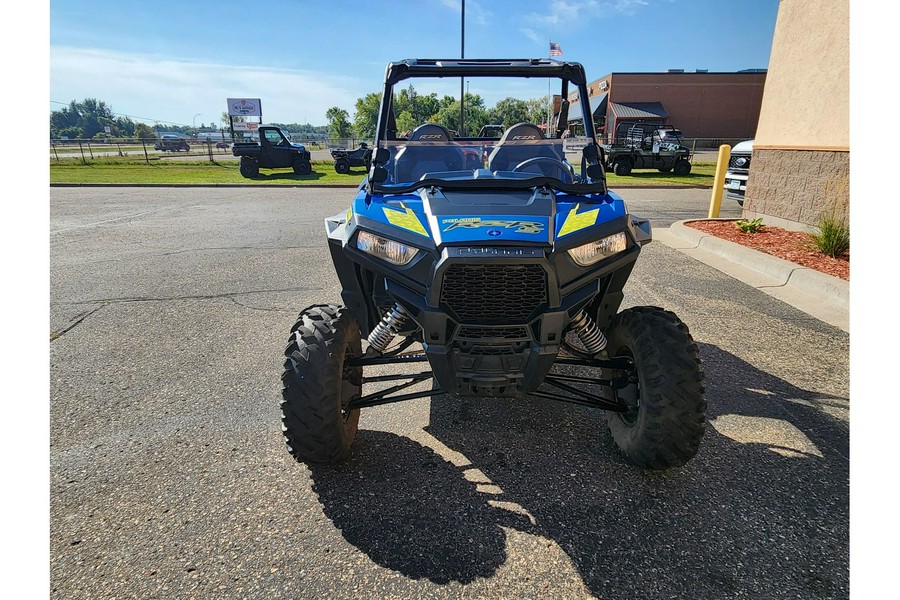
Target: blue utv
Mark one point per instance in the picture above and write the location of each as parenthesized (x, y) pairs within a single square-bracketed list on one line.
[(505, 279)]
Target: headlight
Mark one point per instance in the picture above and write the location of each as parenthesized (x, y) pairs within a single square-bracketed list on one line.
[(593, 252), (385, 249)]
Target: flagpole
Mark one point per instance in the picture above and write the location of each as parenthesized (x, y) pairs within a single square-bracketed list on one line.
[(549, 95)]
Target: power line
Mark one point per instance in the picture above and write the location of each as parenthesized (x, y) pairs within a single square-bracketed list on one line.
[(132, 116)]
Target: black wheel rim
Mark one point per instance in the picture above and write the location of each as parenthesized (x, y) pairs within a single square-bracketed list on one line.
[(351, 381), (630, 394)]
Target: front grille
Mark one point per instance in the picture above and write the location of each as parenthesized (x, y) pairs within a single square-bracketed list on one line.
[(494, 294), (478, 333), (743, 159)]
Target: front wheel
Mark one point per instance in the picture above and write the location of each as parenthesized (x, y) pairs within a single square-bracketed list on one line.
[(301, 166), (682, 167), (622, 167), (664, 394), (249, 167), (319, 384), (342, 166)]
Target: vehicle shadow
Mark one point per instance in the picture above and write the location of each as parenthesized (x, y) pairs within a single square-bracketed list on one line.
[(312, 176), (762, 511)]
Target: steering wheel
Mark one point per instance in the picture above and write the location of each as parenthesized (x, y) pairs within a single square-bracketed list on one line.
[(565, 167)]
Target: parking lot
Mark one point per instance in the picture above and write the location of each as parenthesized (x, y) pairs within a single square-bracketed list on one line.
[(170, 309)]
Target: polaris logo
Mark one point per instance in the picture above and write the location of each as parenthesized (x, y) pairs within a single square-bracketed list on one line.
[(512, 252)]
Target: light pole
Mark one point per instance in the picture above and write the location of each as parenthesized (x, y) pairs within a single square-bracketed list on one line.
[(194, 121), (462, 55)]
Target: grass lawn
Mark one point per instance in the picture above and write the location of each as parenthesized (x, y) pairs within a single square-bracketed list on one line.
[(131, 171)]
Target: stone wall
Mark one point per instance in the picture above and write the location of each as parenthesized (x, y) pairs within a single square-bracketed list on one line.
[(798, 186)]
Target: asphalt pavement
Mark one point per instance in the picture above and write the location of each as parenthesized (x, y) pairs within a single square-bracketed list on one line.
[(169, 313)]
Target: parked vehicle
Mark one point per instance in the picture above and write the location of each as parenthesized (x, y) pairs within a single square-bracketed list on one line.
[(273, 151), (491, 131), (344, 159), (502, 278), (171, 143), (648, 146), (738, 172)]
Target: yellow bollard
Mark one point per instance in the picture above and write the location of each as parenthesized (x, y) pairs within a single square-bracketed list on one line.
[(715, 203)]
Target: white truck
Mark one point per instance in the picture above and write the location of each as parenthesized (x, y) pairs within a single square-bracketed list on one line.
[(738, 171)]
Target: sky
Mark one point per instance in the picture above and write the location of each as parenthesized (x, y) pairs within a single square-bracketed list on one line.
[(179, 62)]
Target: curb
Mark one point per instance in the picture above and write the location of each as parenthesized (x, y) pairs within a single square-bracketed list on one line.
[(823, 296)]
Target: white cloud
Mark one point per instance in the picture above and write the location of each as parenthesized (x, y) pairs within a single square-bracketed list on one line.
[(575, 13), (174, 90), (532, 35)]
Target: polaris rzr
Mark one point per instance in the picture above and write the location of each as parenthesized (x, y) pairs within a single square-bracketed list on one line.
[(505, 279)]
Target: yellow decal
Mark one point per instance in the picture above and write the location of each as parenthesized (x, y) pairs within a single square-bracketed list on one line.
[(405, 219), (575, 222), (349, 214)]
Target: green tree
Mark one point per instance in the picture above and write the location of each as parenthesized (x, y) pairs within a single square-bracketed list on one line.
[(72, 133), (90, 116), (338, 122), (405, 122), (508, 112), (226, 120), (143, 131), (366, 115), (537, 110)]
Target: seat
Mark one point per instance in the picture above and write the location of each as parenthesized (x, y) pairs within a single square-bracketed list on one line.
[(513, 148), (413, 161)]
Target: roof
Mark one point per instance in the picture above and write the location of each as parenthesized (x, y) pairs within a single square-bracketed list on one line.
[(461, 67), (598, 107), (639, 110)]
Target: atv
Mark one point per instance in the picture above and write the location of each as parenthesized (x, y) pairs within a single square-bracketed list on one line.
[(506, 280), (344, 159)]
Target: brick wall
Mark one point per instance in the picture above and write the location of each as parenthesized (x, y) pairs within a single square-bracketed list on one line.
[(798, 185)]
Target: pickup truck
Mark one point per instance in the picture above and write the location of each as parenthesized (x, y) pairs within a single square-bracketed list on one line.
[(738, 172), (273, 151)]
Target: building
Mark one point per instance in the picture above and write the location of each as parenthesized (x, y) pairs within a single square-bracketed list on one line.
[(718, 107), (800, 167)]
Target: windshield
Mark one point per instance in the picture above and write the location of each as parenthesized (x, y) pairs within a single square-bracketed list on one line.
[(432, 140)]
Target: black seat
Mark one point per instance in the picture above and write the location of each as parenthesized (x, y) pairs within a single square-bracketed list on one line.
[(414, 161), (514, 147)]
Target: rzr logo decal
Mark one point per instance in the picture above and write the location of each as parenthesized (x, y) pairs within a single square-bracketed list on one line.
[(477, 222)]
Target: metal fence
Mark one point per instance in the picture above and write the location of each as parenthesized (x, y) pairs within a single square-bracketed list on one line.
[(154, 149)]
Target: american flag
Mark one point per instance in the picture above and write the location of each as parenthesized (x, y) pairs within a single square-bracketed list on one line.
[(555, 50)]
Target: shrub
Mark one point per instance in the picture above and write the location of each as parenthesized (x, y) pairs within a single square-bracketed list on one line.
[(833, 237), (749, 226)]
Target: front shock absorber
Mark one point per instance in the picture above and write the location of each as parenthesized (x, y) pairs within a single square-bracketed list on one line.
[(389, 326), (588, 333)]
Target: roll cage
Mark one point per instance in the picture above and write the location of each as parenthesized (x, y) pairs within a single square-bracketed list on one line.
[(591, 180)]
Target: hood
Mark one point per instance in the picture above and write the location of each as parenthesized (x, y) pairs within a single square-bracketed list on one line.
[(743, 147), (496, 216)]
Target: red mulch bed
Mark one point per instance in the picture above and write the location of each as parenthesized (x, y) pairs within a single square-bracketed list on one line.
[(788, 245)]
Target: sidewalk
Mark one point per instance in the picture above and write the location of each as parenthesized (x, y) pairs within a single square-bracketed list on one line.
[(819, 295)]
